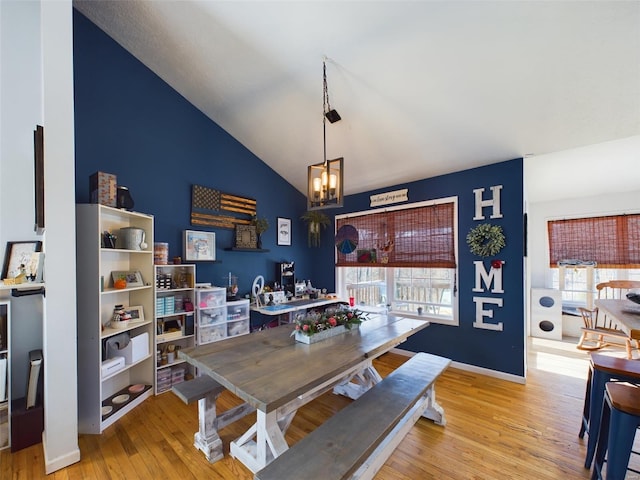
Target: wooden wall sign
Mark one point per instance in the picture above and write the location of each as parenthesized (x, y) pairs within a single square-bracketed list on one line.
[(214, 208)]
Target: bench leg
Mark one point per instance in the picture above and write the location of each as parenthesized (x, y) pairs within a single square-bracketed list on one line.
[(207, 439), (434, 411)]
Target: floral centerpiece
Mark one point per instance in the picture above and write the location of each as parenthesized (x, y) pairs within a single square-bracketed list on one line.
[(313, 327)]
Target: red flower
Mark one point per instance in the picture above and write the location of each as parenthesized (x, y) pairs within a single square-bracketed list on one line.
[(349, 315), (332, 321), (305, 327)]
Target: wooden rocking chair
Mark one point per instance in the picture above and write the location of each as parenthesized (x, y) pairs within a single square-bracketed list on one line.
[(593, 333)]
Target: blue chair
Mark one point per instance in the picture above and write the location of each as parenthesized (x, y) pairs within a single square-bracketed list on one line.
[(602, 369), (620, 419)]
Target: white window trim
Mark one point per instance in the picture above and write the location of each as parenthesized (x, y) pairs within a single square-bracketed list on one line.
[(341, 284)]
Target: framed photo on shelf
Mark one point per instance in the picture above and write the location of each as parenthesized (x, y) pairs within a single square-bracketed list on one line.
[(17, 254), (246, 236), (284, 231), (134, 278), (137, 313), (199, 246)]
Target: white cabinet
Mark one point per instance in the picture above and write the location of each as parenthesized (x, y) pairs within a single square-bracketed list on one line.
[(5, 374), (174, 322), (109, 388)]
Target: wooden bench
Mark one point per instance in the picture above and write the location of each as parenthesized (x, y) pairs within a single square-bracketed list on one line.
[(206, 391), (356, 441)]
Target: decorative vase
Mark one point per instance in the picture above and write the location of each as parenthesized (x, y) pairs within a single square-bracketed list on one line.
[(325, 334), (123, 198)]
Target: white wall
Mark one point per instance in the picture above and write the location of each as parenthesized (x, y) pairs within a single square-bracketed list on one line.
[(21, 102), (36, 87), (602, 179)]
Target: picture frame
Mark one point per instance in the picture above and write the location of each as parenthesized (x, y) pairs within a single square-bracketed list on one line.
[(136, 312), (284, 231), (16, 254), (133, 278), (199, 246), (246, 236)]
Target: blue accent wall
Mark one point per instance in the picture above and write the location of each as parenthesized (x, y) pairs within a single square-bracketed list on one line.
[(497, 350), (130, 123)]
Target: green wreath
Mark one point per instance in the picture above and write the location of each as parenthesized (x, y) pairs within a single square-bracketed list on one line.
[(486, 240)]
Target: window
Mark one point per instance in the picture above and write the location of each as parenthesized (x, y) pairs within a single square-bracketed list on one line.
[(584, 252), (414, 250)]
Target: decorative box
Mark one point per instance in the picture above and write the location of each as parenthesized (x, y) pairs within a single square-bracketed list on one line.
[(159, 306), (169, 305), (103, 188), (112, 365)]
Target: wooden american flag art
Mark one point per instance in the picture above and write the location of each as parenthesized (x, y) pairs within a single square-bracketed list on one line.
[(214, 208)]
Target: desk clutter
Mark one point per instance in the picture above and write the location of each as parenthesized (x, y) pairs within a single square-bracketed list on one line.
[(121, 398)]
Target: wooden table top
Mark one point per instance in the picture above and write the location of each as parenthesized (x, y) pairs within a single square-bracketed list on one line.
[(268, 368), (625, 312)]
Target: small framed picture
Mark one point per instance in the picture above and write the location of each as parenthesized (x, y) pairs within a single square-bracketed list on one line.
[(18, 256), (134, 279), (246, 236), (199, 246), (137, 313), (284, 231)]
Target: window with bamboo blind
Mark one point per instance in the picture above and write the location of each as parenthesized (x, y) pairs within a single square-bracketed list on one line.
[(421, 236), (611, 241), (590, 251), (404, 262)]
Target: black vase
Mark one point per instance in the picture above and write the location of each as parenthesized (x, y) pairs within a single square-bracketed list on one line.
[(124, 199)]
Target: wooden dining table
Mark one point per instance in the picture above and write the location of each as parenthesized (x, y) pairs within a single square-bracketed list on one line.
[(276, 375), (624, 313)]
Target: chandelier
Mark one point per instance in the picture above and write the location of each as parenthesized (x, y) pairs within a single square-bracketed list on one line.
[(324, 179)]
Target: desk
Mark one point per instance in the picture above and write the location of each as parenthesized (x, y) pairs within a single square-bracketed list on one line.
[(276, 375), (291, 307), (624, 313)]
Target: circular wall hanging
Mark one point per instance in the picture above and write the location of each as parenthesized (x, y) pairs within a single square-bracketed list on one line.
[(486, 240), (347, 238)]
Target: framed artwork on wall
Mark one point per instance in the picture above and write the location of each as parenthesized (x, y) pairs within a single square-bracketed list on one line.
[(284, 231), (199, 246)]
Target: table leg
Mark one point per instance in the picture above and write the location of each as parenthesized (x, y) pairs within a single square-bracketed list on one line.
[(359, 383), (206, 438), (263, 442)]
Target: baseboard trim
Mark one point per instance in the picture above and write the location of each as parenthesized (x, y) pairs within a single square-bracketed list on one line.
[(473, 369), (55, 464)]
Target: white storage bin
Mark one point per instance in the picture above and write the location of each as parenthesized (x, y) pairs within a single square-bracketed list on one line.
[(136, 349)]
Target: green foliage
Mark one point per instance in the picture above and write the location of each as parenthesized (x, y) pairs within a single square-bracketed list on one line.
[(486, 240), (312, 323), (316, 221), (261, 224)]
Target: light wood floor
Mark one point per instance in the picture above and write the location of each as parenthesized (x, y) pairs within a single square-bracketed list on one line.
[(495, 430)]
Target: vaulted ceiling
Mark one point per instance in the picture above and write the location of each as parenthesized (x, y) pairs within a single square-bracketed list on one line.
[(423, 87)]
